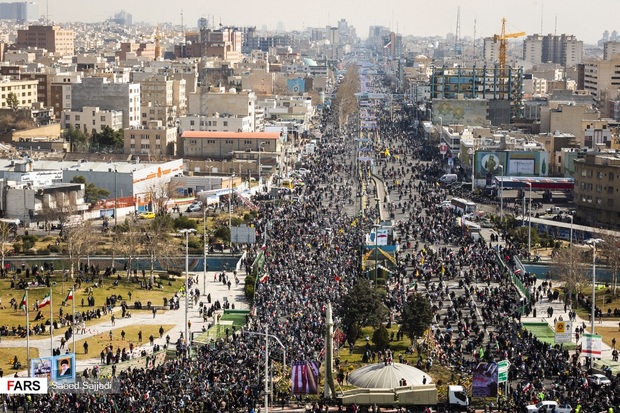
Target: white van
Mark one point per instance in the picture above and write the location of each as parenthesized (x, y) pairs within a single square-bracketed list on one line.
[(448, 178)]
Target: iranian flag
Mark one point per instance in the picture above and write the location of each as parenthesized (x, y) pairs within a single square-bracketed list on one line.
[(69, 295), (23, 305), (46, 301), (264, 278), (411, 287)]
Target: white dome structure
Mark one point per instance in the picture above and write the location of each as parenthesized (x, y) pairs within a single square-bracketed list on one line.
[(381, 376)]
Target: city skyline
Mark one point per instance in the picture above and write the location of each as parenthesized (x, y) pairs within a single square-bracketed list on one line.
[(400, 16)]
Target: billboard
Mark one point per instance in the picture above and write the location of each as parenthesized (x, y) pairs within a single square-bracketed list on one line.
[(296, 85), (515, 163), (592, 346), (484, 383), (305, 377), (56, 369)]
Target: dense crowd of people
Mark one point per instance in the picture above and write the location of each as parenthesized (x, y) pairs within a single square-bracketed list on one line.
[(313, 258)]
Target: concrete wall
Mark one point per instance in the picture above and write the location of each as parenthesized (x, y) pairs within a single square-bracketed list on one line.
[(50, 132)]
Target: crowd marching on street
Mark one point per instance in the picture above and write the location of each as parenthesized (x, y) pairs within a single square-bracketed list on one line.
[(312, 247)]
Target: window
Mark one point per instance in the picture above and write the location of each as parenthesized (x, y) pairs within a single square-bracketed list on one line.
[(193, 141), (102, 119), (67, 117), (599, 188), (610, 202), (157, 137), (589, 187), (584, 172), (611, 176), (145, 146), (210, 141), (191, 122), (93, 121), (599, 175), (77, 117), (229, 142), (214, 123), (225, 123), (247, 142), (132, 146), (610, 189)]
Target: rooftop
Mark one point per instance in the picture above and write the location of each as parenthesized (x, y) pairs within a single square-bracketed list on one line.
[(230, 135)]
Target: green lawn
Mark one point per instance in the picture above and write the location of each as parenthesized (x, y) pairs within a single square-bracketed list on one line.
[(16, 318)]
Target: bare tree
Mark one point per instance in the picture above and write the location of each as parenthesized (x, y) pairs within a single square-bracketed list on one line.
[(6, 236), (160, 193), (129, 234), (609, 249), (156, 240), (570, 267), (80, 240)]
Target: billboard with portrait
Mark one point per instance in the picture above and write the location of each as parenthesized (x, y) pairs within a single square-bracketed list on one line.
[(42, 367), (515, 163), (484, 383)]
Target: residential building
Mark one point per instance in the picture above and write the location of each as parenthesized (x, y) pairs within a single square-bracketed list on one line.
[(92, 119), (51, 38), (564, 49), (24, 90), (109, 96), (133, 50), (598, 76), (222, 145), (611, 50), (60, 92), (208, 102), (154, 139), (216, 123), (22, 11), (597, 190)]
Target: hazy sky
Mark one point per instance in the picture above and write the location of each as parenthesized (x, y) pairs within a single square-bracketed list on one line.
[(585, 19)]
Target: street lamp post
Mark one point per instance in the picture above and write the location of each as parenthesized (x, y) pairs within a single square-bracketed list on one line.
[(593, 242), (571, 230), (376, 226), (204, 248), (267, 337), (501, 197), (529, 223), (186, 232), (115, 197)]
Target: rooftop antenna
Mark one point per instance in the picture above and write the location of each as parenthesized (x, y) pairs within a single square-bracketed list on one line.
[(555, 30), (474, 38), (542, 12), (458, 31)]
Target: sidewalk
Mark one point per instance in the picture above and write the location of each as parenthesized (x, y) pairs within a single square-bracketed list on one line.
[(218, 292)]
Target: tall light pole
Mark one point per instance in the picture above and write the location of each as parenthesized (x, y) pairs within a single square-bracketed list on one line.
[(230, 201), (204, 248), (571, 230), (376, 227), (593, 242), (267, 337), (115, 197), (529, 223), (440, 127), (501, 197), (186, 232)]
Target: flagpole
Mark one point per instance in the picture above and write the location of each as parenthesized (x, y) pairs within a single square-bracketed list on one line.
[(73, 307), (27, 336), (51, 322)]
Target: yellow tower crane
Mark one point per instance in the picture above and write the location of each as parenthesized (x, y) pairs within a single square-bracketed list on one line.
[(502, 43), (157, 44)]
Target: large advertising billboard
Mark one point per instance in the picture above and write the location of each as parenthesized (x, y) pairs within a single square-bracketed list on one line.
[(515, 163), (57, 369)]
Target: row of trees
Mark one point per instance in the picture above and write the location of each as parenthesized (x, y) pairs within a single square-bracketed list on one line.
[(364, 306), (572, 264), (108, 138)]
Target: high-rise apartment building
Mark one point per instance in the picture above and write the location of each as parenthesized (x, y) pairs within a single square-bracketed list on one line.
[(611, 50), (23, 11), (565, 50), (52, 38)]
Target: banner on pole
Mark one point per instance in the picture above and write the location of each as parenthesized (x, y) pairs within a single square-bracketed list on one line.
[(592, 345)]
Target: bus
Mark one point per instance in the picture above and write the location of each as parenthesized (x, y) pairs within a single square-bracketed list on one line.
[(287, 183), (463, 206)]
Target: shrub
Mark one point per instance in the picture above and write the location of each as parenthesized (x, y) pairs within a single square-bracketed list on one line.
[(29, 240), (381, 338), (184, 222), (53, 248)]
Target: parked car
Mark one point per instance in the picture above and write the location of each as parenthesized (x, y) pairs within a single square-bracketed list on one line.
[(194, 208), (548, 406), (198, 203), (599, 380), (147, 215)]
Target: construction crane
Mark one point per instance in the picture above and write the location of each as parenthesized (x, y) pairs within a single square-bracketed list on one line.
[(502, 43), (157, 43)]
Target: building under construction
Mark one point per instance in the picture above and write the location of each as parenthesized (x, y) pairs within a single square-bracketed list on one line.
[(501, 87)]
